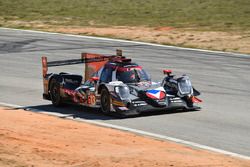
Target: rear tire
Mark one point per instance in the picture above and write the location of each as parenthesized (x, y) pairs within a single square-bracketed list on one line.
[(105, 101), (55, 93)]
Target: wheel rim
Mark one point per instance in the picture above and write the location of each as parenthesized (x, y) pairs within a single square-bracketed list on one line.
[(54, 93), (105, 103)]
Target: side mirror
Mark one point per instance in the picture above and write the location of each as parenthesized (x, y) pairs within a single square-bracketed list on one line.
[(168, 72), (95, 79)]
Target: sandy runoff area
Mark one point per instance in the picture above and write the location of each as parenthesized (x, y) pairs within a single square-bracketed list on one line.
[(33, 139)]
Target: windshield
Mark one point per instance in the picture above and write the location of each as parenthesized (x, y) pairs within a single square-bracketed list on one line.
[(185, 85), (133, 75)]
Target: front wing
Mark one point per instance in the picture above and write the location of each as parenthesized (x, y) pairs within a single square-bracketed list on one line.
[(138, 106)]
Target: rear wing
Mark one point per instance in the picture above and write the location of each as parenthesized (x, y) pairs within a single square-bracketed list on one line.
[(93, 62)]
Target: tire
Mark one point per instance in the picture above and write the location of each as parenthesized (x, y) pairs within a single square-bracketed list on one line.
[(105, 101), (55, 93)]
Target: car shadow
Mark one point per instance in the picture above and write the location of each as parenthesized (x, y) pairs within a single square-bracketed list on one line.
[(76, 111), (70, 111)]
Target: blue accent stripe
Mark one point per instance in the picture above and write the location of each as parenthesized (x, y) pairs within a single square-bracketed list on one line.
[(153, 91)]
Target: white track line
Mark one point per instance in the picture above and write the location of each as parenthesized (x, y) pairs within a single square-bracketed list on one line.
[(140, 132), (127, 41)]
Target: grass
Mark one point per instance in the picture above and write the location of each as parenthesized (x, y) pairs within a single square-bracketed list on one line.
[(195, 23), (199, 14)]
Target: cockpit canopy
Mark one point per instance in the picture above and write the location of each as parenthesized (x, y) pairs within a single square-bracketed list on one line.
[(130, 73)]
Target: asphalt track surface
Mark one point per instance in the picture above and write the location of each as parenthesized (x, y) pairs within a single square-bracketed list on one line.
[(223, 79)]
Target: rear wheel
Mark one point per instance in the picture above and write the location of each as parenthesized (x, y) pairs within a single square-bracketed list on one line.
[(55, 93), (105, 101)]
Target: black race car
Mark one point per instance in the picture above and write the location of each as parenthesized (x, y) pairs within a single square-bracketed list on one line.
[(116, 84)]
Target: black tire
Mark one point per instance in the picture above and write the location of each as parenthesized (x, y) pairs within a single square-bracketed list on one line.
[(55, 93), (105, 101)]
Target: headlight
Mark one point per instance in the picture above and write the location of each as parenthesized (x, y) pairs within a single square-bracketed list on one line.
[(185, 86), (122, 91)]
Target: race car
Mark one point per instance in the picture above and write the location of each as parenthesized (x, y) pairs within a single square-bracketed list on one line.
[(115, 84)]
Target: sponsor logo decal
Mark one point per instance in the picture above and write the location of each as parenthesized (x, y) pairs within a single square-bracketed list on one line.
[(123, 108), (156, 94), (118, 103)]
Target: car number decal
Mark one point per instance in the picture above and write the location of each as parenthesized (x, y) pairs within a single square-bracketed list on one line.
[(91, 99)]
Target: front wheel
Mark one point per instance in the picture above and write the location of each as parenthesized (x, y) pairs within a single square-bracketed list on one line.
[(55, 93), (105, 101)]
